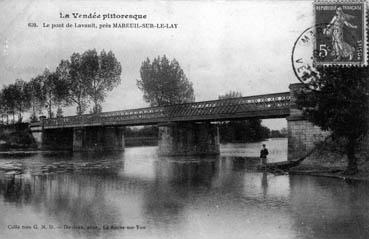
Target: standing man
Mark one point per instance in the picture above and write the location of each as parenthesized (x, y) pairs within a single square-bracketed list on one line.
[(263, 155)]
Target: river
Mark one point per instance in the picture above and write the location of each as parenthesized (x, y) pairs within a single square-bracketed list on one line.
[(135, 194)]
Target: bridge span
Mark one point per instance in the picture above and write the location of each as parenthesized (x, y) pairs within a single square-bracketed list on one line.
[(184, 129), (260, 106)]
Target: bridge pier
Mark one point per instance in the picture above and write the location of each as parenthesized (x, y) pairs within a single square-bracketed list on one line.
[(302, 137), (98, 138), (101, 138), (37, 134), (54, 139), (78, 138), (302, 134), (187, 139)]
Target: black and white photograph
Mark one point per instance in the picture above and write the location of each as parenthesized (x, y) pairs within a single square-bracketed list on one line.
[(184, 119)]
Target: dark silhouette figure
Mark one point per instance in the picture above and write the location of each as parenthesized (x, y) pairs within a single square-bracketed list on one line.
[(263, 155)]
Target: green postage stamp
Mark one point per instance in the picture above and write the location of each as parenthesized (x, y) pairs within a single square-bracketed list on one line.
[(341, 38)]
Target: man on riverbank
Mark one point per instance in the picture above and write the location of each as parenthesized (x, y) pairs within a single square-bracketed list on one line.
[(263, 155)]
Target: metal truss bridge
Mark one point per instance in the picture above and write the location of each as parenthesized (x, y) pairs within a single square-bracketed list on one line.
[(259, 106)]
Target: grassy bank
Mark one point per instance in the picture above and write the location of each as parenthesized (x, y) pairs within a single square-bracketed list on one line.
[(329, 162)]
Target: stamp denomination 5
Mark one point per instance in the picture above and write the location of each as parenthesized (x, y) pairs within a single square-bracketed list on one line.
[(342, 40)]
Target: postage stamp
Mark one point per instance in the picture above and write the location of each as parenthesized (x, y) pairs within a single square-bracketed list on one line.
[(343, 39)]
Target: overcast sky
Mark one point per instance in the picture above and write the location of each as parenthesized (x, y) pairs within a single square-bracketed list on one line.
[(222, 46)]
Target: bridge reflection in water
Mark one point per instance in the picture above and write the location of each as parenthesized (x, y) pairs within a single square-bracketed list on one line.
[(215, 197)]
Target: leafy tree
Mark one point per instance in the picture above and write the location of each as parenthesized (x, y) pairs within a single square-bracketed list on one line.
[(100, 73), (54, 91), (8, 100), (3, 108), (23, 102), (16, 99), (37, 99), (164, 82), (10, 95), (60, 93), (48, 80), (339, 102), (69, 71), (241, 130)]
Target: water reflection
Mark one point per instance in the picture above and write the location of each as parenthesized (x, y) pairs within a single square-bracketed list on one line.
[(264, 183), (328, 208), (219, 197), (199, 173)]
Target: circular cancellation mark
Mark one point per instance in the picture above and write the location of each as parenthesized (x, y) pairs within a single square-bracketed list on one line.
[(303, 53)]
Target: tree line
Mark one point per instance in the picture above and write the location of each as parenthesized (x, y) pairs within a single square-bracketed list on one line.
[(86, 78), (82, 79)]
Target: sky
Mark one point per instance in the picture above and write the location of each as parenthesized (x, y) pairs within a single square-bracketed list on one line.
[(222, 46)]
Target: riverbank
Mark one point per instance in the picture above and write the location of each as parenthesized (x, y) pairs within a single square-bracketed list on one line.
[(326, 162), (331, 174)]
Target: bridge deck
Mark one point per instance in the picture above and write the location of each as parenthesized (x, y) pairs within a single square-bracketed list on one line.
[(261, 106)]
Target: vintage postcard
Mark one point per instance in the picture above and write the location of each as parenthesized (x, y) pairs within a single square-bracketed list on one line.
[(184, 119)]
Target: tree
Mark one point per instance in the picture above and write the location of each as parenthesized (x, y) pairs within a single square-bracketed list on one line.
[(54, 91), (3, 109), (23, 98), (16, 99), (339, 102), (9, 100), (48, 80), (164, 82), (241, 130), (60, 92), (69, 71), (100, 73), (37, 99)]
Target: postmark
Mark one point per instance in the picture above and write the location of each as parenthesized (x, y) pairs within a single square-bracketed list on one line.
[(342, 40), (302, 56)]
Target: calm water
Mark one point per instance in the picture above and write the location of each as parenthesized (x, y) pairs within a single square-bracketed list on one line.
[(221, 197)]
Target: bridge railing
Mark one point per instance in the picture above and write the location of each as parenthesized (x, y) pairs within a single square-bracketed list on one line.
[(207, 109)]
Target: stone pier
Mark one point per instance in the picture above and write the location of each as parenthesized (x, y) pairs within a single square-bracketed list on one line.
[(77, 139), (188, 138), (36, 131), (302, 134)]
